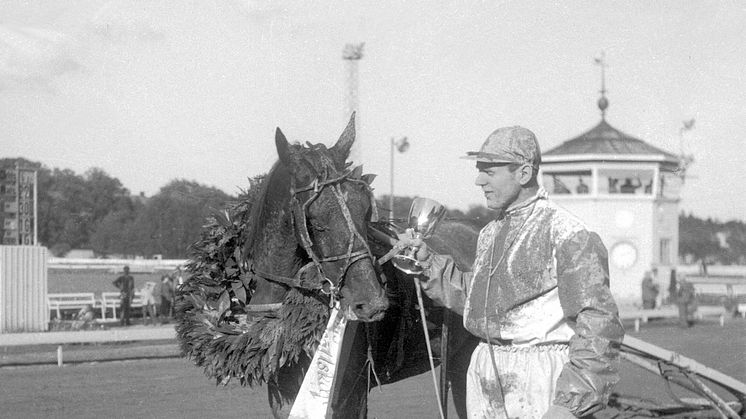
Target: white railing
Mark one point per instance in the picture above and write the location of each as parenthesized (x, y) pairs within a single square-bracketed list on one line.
[(116, 265)]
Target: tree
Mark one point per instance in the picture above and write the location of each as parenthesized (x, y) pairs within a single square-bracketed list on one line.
[(171, 220), (736, 239), (697, 237), (71, 206)]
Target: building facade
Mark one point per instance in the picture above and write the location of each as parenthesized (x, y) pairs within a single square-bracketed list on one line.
[(626, 190)]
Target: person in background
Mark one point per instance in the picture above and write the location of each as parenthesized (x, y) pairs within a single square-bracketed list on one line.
[(148, 303), (629, 187), (167, 297), (538, 295), (84, 318), (582, 188), (649, 291), (179, 277), (612, 185), (126, 285), (672, 290), (685, 300)]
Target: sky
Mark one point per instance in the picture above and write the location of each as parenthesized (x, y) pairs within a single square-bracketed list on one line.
[(152, 91)]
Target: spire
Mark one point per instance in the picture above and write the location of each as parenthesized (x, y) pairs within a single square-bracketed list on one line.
[(603, 103)]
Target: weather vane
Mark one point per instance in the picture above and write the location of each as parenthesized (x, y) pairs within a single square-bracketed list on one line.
[(685, 160), (603, 103)]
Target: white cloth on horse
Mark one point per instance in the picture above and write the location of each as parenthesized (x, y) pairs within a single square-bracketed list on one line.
[(528, 377), (317, 388)]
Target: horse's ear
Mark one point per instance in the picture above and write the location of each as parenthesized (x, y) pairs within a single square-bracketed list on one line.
[(283, 147), (368, 178), (342, 148)]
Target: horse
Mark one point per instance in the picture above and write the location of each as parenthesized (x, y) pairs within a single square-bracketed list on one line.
[(266, 269)]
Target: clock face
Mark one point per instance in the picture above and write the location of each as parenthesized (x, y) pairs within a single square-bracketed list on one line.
[(623, 255)]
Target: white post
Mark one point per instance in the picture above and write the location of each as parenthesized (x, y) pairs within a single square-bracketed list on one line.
[(59, 355)]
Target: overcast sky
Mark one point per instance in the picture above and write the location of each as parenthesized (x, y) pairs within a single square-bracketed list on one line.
[(150, 91)]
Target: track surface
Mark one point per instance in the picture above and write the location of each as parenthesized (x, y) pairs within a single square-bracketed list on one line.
[(172, 387)]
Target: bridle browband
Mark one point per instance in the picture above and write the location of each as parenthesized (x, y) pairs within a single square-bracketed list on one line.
[(320, 281)]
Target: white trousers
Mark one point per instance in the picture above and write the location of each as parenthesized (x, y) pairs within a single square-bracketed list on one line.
[(527, 378)]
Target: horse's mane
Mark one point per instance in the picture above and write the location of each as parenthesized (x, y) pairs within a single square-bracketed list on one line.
[(275, 188), (271, 188)]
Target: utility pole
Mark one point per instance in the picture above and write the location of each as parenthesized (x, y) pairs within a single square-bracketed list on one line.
[(352, 54), (401, 145)]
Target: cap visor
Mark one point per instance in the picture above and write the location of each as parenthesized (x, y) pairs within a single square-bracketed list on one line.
[(486, 157)]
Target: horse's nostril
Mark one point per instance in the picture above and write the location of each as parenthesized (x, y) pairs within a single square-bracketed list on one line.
[(372, 310)]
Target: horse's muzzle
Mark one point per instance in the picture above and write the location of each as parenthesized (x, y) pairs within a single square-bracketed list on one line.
[(368, 311)]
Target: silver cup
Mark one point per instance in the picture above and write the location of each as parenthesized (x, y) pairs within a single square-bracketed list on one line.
[(424, 216)]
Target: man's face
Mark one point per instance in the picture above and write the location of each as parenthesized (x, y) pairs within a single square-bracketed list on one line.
[(501, 187)]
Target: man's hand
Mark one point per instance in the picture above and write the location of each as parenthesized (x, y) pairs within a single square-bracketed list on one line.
[(407, 240)]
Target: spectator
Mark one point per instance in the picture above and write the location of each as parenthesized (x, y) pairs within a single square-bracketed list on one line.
[(703, 267), (582, 188), (672, 287), (178, 277), (167, 296), (148, 303), (126, 285), (629, 187), (685, 299), (649, 291), (84, 318), (612, 184)]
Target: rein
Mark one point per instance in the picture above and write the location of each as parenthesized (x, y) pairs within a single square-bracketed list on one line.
[(306, 278)]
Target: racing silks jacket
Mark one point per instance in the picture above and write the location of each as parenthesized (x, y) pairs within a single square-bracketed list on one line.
[(540, 277)]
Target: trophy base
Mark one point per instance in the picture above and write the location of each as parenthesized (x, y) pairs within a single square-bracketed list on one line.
[(407, 264)]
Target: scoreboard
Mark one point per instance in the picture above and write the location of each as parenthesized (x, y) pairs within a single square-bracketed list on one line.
[(18, 187)]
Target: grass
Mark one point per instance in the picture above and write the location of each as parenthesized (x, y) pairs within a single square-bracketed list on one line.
[(93, 280)]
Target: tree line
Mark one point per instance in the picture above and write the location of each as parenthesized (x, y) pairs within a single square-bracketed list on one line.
[(95, 211)]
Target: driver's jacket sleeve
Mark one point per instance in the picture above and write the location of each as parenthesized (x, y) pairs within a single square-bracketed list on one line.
[(547, 282)]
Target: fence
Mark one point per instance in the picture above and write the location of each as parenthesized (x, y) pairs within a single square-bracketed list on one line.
[(23, 289)]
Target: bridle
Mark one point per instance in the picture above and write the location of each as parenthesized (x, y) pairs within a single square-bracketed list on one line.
[(313, 276)]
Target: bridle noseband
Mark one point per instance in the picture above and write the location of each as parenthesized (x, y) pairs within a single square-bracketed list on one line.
[(299, 216)]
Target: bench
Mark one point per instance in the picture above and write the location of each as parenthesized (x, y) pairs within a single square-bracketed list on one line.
[(668, 312), (111, 300), (70, 301)]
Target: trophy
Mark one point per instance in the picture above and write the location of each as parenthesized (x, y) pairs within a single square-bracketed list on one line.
[(424, 216)]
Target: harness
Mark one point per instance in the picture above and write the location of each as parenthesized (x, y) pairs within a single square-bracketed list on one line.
[(312, 276)]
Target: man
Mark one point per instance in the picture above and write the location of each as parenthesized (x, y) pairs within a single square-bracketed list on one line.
[(147, 294), (538, 295), (649, 291), (167, 297), (686, 302), (126, 286)]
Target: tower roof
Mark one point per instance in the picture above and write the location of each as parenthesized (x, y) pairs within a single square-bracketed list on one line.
[(604, 142)]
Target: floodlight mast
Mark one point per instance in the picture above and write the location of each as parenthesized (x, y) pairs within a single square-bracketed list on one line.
[(352, 54)]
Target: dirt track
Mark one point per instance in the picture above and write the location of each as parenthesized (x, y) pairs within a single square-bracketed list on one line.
[(174, 388)]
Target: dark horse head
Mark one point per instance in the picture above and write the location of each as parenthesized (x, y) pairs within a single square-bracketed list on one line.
[(313, 230)]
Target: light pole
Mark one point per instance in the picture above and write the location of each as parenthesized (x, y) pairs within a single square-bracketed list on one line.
[(352, 55), (401, 145)]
